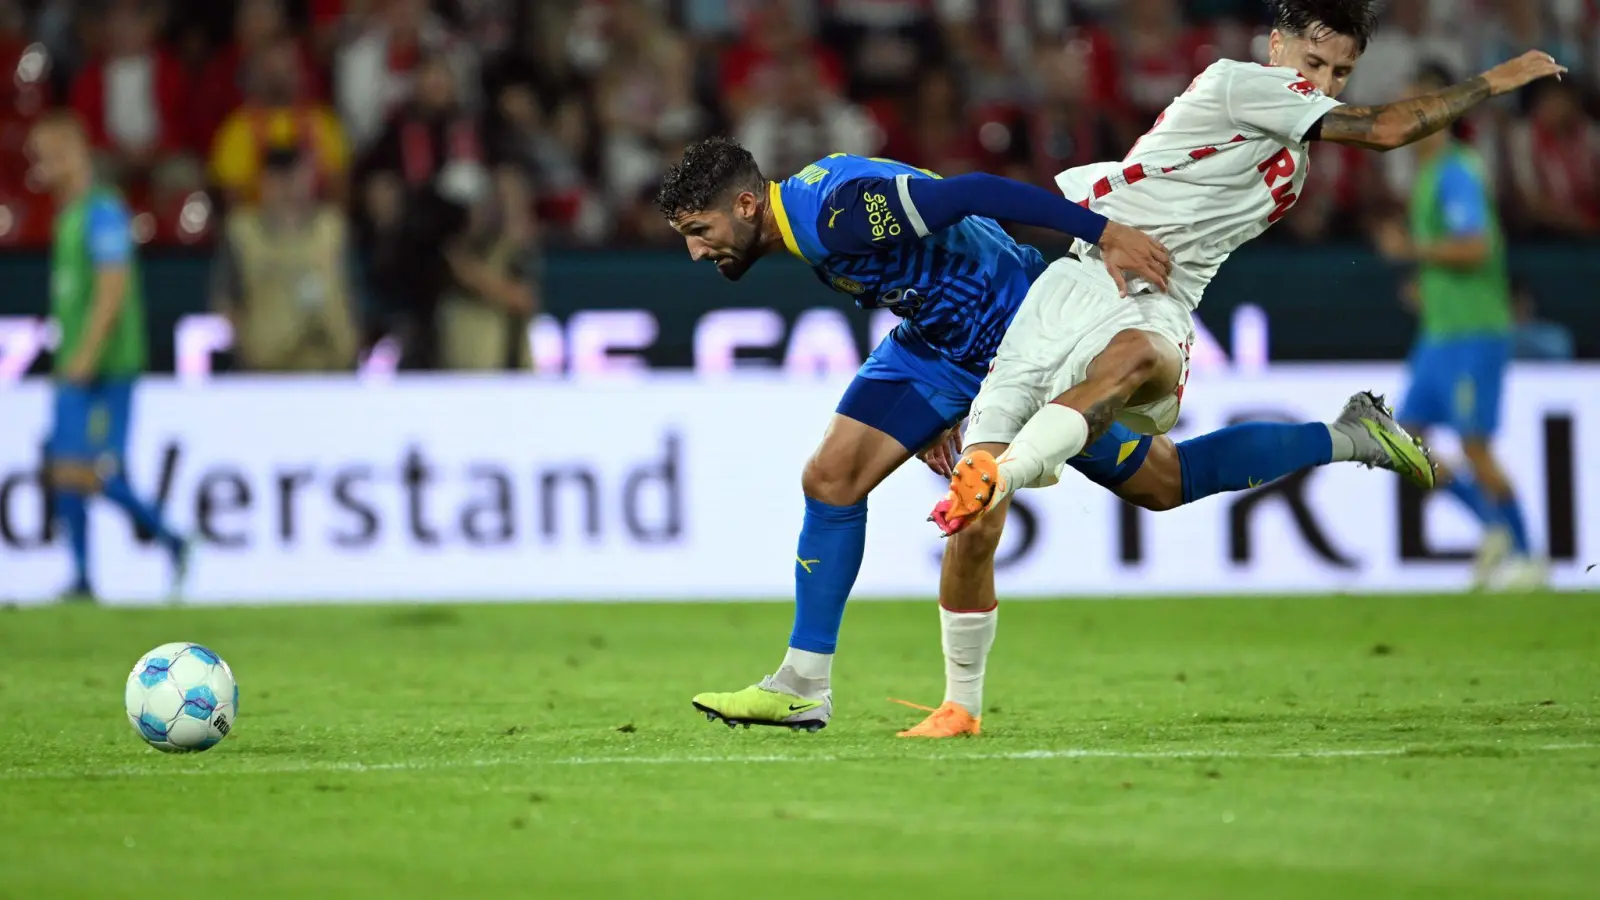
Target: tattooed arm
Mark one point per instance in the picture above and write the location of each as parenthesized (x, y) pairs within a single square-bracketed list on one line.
[(1397, 124)]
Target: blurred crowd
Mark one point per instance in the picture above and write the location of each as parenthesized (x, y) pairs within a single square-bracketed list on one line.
[(442, 143)]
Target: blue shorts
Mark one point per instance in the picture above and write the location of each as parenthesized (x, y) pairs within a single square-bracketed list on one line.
[(908, 391), (91, 422), (1457, 383)]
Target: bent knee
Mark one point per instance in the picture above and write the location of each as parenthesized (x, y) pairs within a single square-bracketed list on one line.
[(832, 482), (1132, 357)]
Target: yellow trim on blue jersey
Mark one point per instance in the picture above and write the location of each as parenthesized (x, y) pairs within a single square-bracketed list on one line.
[(775, 198), (1127, 450)]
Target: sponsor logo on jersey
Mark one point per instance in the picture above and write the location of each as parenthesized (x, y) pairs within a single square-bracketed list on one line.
[(848, 285), (879, 217)]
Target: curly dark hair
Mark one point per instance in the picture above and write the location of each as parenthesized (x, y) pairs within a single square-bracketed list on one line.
[(709, 171), (1355, 19)]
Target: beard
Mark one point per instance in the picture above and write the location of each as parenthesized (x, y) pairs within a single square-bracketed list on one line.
[(739, 260)]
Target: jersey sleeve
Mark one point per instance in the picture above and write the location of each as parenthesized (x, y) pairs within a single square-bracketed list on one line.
[(1462, 203), (866, 215), (1275, 101), (110, 234), (869, 214)]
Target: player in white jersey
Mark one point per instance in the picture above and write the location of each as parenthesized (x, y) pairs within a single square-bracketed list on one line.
[(1226, 160)]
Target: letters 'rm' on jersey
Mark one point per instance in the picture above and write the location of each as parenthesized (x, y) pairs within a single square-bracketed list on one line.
[(852, 220), (1227, 159)]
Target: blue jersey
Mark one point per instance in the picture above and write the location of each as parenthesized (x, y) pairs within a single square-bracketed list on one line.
[(851, 219)]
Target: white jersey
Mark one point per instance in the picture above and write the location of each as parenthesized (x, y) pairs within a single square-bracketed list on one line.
[(1225, 160)]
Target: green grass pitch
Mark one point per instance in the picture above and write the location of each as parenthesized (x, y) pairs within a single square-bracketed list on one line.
[(1332, 747)]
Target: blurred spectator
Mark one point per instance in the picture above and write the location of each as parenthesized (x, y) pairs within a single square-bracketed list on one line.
[(1554, 156), (427, 139), (547, 151), (934, 132), (279, 113), (886, 45), (337, 22), (1517, 26), (805, 122), (1408, 36), (132, 98), (488, 300), (375, 73), (1065, 129), (56, 25), (281, 276), (1143, 59), (645, 94), (750, 73), (28, 91), (260, 26)]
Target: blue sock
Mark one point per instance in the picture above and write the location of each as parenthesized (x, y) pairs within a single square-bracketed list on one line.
[(73, 508), (832, 542), (1474, 499), (1511, 514), (118, 491), (1250, 455)]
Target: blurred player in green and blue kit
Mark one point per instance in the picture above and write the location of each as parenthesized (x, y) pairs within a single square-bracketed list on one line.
[(1458, 365), (96, 303)]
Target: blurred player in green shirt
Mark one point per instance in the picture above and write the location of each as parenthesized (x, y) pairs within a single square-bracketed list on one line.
[(95, 301), (1458, 365)]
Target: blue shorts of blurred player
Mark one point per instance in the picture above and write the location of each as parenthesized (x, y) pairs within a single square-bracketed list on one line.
[(90, 429), (1457, 384)]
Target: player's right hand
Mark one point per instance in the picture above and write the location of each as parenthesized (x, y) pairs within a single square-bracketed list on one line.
[(1130, 250), (1524, 70)]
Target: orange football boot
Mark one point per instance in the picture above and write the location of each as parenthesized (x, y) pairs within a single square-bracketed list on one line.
[(972, 490), (949, 720)]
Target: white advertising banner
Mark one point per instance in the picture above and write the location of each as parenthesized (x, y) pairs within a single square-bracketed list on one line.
[(664, 487)]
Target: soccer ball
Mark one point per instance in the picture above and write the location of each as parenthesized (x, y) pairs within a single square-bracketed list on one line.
[(181, 697)]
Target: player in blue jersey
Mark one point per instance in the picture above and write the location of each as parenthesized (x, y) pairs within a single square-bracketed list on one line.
[(897, 237)]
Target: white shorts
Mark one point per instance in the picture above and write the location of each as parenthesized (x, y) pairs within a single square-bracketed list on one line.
[(1070, 314)]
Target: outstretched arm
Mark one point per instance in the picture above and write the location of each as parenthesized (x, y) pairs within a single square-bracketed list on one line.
[(942, 202), (1397, 124), (869, 214)]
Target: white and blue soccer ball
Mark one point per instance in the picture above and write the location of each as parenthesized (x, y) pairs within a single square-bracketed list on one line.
[(181, 698)]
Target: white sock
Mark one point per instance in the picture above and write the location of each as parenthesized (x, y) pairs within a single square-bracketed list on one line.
[(1054, 435), (967, 637), (805, 673), (1344, 447)]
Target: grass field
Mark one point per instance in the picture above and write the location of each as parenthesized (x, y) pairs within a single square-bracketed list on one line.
[(1306, 748)]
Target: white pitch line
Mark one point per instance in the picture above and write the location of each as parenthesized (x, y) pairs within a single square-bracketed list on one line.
[(290, 767)]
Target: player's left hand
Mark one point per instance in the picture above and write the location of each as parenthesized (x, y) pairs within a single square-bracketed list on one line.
[(1525, 69), (941, 455)]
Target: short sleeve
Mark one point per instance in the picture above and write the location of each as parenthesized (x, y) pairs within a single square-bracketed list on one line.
[(110, 233), (1462, 203), (866, 215), (1275, 101)]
